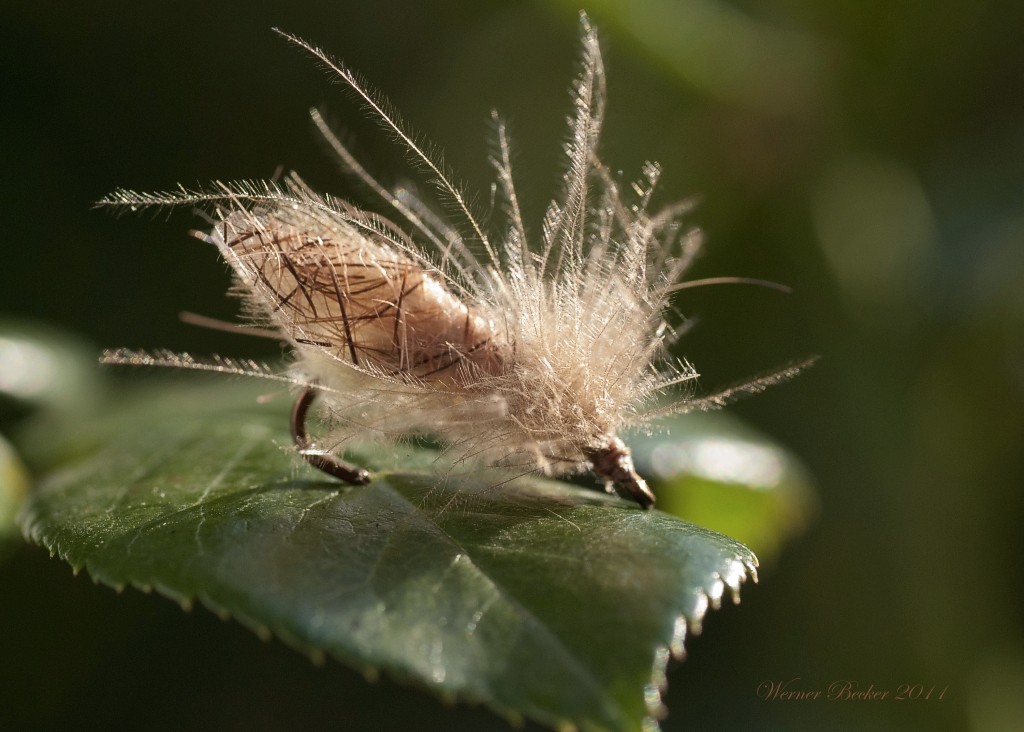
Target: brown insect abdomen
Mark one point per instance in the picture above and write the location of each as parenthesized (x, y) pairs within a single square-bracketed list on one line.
[(361, 301)]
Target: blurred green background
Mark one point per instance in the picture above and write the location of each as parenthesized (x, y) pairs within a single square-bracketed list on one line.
[(869, 154)]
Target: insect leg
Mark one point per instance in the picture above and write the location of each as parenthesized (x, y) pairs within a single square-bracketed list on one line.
[(320, 459), (614, 463)]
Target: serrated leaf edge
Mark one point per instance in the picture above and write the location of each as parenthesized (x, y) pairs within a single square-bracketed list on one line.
[(709, 597)]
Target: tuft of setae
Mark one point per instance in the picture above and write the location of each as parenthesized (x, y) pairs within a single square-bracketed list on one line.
[(532, 352)]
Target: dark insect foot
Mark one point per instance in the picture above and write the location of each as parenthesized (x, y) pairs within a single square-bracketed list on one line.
[(614, 462), (320, 459)]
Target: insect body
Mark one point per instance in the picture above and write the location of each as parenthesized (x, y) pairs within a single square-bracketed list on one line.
[(523, 353)]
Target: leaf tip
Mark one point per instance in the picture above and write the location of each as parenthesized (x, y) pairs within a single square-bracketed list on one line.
[(700, 609), (752, 564), (652, 699), (656, 709), (746, 568), (714, 593), (677, 646), (650, 724)]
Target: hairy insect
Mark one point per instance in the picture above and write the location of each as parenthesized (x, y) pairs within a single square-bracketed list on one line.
[(519, 352)]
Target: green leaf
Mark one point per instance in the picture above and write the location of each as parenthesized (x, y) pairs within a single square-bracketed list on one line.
[(717, 472), (44, 368), (13, 487), (536, 598)]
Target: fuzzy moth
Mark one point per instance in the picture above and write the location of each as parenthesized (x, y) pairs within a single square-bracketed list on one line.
[(519, 350)]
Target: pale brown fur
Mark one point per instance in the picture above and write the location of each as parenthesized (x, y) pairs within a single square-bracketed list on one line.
[(529, 355)]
